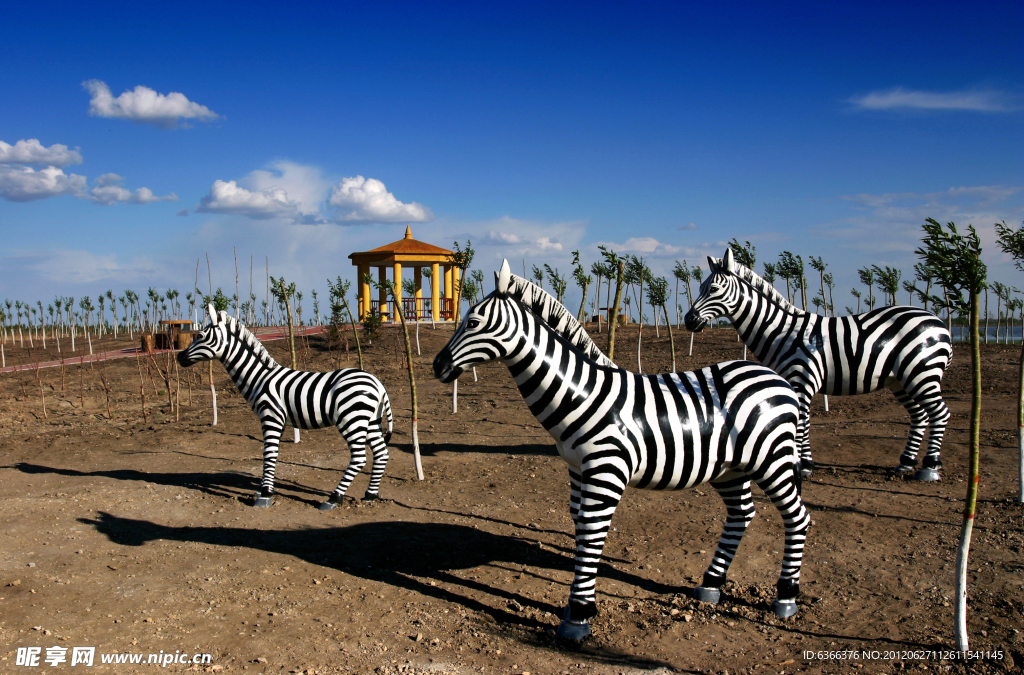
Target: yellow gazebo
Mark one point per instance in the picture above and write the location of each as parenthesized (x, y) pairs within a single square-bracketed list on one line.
[(415, 254)]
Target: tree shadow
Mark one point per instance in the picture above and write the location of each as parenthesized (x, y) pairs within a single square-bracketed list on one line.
[(441, 550), (432, 449)]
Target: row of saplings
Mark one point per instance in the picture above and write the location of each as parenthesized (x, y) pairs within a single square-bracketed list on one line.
[(615, 428)]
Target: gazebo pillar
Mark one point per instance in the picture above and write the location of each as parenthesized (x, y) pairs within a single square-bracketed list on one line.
[(364, 291), (435, 292), (456, 291), (382, 295), (418, 281), (398, 290)]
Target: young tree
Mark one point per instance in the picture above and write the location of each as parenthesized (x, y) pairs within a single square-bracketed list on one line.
[(339, 292), (867, 277), (830, 285), (923, 274), (616, 263), (855, 293), (745, 253), (819, 265), (538, 276), (636, 273), (956, 261), (888, 280), (682, 273), (558, 282), (1011, 242), (599, 270), (911, 288), (282, 293), (657, 293), (392, 289), (582, 280), (462, 259)]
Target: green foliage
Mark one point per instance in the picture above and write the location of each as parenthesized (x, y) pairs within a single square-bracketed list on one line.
[(955, 260), (219, 301), (371, 325), (769, 272), (1011, 242), (745, 253), (657, 291)]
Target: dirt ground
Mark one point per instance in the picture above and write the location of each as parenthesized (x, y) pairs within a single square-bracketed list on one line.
[(136, 536)]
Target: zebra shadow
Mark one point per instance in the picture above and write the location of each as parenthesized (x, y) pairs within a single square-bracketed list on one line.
[(432, 449), (427, 561), (224, 484)]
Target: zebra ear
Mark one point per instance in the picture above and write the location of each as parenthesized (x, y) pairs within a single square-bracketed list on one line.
[(212, 313), (712, 265), (728, 262), (503, 278)]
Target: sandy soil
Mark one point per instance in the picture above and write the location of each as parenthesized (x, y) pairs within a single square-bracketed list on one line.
[(137, 536)]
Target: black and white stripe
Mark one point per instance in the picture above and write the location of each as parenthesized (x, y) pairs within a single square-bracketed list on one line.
[(905, 349), (729, 425), (351, 399)]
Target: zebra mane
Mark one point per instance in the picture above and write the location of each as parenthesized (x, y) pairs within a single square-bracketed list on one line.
[(760, 285), (238, 331), (555, 315)]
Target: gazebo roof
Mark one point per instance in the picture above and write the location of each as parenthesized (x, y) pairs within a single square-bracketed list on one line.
[(403, 250)]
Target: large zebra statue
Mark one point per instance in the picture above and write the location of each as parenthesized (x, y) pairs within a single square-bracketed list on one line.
[(903, 348), (729, 425), (351, 399)]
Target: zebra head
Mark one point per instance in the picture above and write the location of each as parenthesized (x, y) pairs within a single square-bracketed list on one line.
[(489, 332), (718, 294), (209, 343)]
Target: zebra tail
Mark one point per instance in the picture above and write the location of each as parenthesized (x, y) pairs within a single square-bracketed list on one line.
[(384, 411)]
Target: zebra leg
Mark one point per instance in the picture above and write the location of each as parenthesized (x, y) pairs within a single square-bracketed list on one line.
[(600, 490), (271, 442), (357, 440), (780, 484), (938, 417), (734, 489), (574, 494), (918, 423), (380, 461), (803, 433)]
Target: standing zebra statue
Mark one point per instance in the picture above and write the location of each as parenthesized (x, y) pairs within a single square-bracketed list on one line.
[(903, 348), (729, 425), (351, 399)]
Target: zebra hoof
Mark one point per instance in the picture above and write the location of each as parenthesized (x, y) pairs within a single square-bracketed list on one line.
[(784, 608), (927, 475), (262, 502), (573, 630), (371, 497), (904, 469), (707, 594), (805, 472), (327, 506)]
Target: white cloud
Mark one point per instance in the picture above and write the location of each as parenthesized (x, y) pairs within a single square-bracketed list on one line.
[(229, 197), (25, 184), (547, 244), (504, 237), (67, 266), (31, 151), (109, 191), (899, 98), (649, 246), (688, 226), (367, 200), (145, 106), (304, 185)]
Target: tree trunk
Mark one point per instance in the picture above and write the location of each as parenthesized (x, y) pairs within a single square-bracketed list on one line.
[(970, 503), (583, 304), (351, 321), (613, 319), (412, 389), (291, 338), (1020, 429), (671, 338), (213, 394)]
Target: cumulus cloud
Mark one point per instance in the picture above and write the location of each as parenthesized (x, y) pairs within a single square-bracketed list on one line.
[(145, 106), (366, 200), (31, 151), (899, 98), (229, 197), (25, 184), (649, 246), (304, 185), (108, 190)]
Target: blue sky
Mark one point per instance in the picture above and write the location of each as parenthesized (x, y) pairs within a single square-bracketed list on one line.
[(303, 134)]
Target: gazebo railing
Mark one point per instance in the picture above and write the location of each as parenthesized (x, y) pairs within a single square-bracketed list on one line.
[(386, 309)]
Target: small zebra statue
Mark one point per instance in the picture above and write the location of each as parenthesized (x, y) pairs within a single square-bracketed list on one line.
[(728, 425), (351, 399), (905, 349)]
